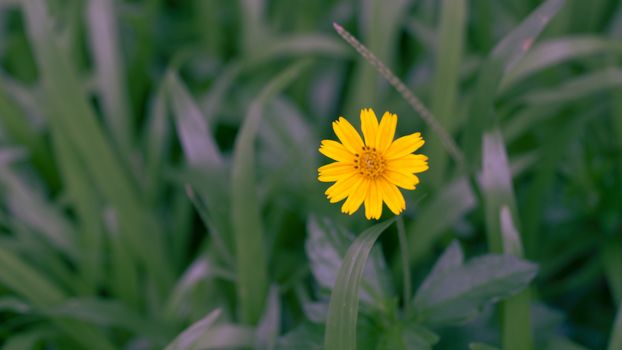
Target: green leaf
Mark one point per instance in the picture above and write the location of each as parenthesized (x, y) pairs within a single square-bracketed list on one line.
[(380, 23), (196, 137), (267, 330), (514, 45), (202, 270), (101, 21), (188, 338), (612, 261), (226, 336), (496, 184), (576, 88), (503, 236), (14, 121), (26, 340), (326, 245), (452, 258), (306, 336), (41, 293), (451, 204), (157, 141), (481, 346), (13, 304), (69, 109), (505, 55), (343, 307), (86, 202), (615, 340), (563, 343), (107, 313), (291, 46), (446, 79), (407, 336), (452, 295), (556, 51), (32, 208), (245, 207)]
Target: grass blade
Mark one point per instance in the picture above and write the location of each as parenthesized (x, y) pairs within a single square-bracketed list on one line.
[(553, 52), (69, 108), (196, 137), (34, 287), (84, 199), (503, 237), (577, 88), (513, 46), (446, 79), (31, 207), (612, 261), (496, 183), (504, 56), (380, 22), (15, 122), (188, 338), (615, 341), (344, 300), (252, 276), (110, 71), (157, 141)]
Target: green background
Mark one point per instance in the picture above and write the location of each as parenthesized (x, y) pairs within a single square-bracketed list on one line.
[(158, 167)]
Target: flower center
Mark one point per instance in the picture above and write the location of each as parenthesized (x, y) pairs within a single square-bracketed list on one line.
[(369, 162)]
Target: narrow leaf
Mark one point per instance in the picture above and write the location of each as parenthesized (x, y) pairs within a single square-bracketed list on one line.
[(187, 339), (343, 307), (615, 341), (557, 51), (446, 78), (102, 28), (505, 55), (246, 220), (196, 137)]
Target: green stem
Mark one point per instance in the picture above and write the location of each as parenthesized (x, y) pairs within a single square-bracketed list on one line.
[(401, 236)]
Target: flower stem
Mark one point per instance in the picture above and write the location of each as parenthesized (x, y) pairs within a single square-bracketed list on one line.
[(408, 95), (401, 236)]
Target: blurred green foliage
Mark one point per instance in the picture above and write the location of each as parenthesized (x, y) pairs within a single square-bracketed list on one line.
[(158, 175)]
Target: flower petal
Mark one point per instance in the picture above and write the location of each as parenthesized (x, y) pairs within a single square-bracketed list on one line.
[(406, 181), (335, 171), (348, 135), (342, 188), (404, 145), (369, 125), (392, 196), (335, 150), (373, 202), (410, 163), (386, 131), (356, 198)]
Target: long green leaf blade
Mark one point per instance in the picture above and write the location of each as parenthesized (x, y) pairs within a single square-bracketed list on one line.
[(503, 236), (446, 79), (343, 307), (615, 341), (69, 108), (506, 54), (252, 274)]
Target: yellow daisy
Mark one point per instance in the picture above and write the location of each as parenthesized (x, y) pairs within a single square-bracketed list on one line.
[(370, 171)]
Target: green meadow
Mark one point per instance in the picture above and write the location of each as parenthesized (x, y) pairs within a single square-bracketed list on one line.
[(159, 175)]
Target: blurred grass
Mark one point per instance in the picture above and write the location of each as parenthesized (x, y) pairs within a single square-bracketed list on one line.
[(157, 169)]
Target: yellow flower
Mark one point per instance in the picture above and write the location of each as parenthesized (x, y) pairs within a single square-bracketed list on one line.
[(370, 171)]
